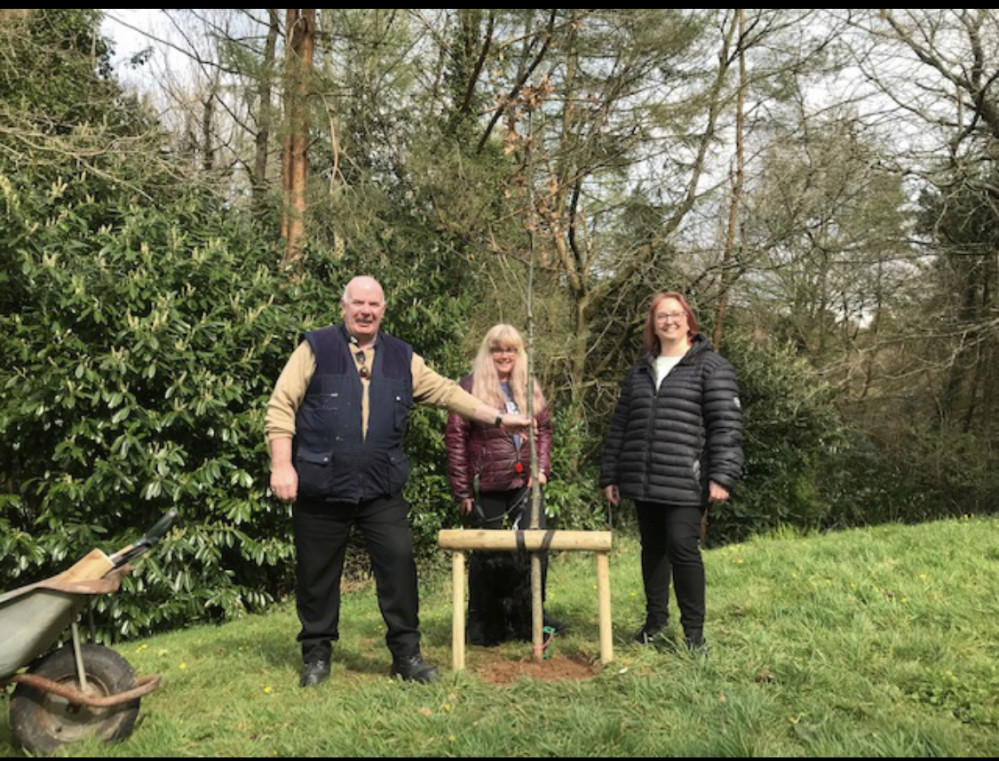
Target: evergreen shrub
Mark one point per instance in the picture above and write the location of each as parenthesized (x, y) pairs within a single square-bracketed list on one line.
[(139, 345)]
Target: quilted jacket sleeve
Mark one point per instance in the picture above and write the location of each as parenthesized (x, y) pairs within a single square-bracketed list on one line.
[(610, 460), (459, 470), (723, 424), (459, 464)]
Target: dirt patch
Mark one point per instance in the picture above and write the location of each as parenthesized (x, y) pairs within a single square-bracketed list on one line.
[(500, 670)]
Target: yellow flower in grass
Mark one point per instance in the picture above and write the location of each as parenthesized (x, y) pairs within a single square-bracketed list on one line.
[(268, 690)]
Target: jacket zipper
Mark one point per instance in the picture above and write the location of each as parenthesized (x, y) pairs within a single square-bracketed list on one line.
[(649, 371)]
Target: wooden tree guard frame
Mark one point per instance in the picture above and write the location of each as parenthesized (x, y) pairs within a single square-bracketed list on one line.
[(459, 541)]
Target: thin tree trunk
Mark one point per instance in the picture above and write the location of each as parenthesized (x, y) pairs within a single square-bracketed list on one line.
[(537, 609), (207, 118), (733, 211), (262, 140), (291, 21)]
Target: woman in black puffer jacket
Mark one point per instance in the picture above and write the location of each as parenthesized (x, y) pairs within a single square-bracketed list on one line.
[(675, 444)]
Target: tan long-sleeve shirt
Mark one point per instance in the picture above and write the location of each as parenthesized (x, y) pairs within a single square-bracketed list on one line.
[(428, 388)]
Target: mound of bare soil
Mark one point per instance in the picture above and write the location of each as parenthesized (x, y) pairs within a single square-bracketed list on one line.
[(502, 670)]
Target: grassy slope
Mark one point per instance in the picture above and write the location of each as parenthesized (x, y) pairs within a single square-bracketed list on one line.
[(881, 641)]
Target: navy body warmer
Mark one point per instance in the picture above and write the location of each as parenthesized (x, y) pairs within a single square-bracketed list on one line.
[(333, 459)]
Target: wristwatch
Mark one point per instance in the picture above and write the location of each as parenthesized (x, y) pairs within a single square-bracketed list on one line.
[(498, 422)]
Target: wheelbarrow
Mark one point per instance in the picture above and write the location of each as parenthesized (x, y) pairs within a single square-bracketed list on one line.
[(82, 689)]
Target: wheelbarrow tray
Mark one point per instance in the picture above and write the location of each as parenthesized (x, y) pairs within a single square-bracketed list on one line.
[(33, 617)]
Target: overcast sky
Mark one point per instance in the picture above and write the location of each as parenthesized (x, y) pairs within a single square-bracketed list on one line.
[(129, 30)]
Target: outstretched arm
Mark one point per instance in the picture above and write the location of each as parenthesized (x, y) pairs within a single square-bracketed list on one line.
[(431, 388)]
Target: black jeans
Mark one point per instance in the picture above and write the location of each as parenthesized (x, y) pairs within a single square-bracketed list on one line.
[(671, 543), (500, 510), (321, 532)]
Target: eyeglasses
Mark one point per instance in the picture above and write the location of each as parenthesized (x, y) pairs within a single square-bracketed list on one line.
[(675, 316), (363, 370)]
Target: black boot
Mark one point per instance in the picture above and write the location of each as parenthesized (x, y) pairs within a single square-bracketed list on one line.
[(413, 668), (696, 645), (314, 672), (651, 631)]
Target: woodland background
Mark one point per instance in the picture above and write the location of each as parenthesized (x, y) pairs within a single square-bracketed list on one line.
[(821, 183)]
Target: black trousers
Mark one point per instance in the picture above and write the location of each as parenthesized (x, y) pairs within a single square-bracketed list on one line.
[(321, 532), (670, 538), (502, 510)]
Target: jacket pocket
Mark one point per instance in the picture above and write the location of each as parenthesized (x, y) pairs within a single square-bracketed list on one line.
[(315, 473), (400, 411), (398, 471)]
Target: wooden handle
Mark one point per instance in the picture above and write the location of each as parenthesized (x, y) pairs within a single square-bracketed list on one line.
[(89, 568)]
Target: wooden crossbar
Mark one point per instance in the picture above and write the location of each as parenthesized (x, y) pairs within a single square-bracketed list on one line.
[(532, 540)]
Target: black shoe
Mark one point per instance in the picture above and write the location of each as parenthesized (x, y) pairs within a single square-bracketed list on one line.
[(314, 672), (697, 645), (475, 634), (413, 668), (650, 632)]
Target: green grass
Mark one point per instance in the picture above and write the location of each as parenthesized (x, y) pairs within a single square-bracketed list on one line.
[(871, 642)]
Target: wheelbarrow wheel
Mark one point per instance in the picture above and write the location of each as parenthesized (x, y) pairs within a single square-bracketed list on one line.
[(43, 722)]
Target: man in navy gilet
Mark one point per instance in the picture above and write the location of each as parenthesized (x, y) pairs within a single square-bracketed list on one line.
[(335, 425)]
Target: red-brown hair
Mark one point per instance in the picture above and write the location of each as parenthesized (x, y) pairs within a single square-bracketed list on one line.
[(649, 338)]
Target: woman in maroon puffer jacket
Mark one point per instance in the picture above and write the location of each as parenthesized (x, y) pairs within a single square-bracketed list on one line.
[(500, 462)]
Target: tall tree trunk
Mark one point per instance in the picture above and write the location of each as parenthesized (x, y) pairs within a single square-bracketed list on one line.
[(469, 57), (961, 363), (727, 274), (207, 120), (262, 140), (537, 590), (300, 35)]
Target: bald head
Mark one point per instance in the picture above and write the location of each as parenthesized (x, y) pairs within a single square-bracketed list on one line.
[(365, 284), (362, 307)]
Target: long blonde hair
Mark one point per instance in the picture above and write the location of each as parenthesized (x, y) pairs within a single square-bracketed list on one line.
[(486, 383)]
